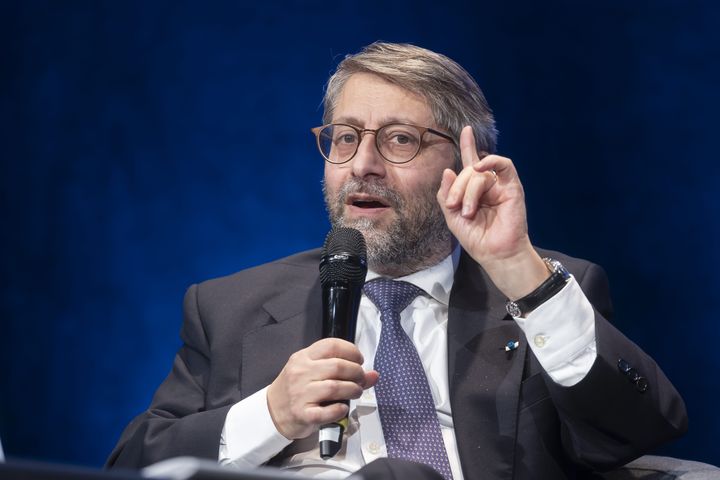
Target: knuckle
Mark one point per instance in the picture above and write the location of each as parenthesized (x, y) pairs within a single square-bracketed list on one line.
[(356, 391), (333, 388), (313, 417), (293, 370), (359, 375), (336, 368), (329, 347), (333, 349), (295, 358)]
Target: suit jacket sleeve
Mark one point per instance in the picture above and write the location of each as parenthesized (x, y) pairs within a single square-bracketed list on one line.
[(177, 422), (607, 420), (238, 332)]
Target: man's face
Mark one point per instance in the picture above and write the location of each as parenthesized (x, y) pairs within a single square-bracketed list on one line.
[(393, 205)]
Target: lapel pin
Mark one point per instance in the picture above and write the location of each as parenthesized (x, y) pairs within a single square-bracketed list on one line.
[(511, 345)]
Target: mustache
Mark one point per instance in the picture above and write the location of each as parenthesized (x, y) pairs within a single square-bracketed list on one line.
[(376, 188)]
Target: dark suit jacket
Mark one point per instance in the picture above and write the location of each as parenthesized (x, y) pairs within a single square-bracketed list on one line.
[(511, 420)]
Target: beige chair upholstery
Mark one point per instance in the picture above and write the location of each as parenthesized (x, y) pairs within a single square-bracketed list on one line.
[(652, 467)]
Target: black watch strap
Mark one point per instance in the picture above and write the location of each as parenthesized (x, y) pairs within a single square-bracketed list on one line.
[(557, 280)]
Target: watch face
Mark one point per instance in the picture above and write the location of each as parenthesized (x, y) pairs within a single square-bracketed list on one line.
[(513, 309)]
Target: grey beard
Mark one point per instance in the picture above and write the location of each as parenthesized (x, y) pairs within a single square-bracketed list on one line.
[(418, 238)]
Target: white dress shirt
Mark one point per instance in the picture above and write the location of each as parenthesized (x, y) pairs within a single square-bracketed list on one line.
[(560, 332)]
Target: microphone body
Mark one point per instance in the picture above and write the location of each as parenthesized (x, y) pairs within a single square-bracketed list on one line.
[(342, 275), (341, 303)]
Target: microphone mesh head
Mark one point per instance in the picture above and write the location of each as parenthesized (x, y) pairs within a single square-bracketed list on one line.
[(344, 256)]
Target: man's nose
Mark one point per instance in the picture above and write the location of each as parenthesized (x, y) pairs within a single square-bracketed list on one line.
[(368, 161)]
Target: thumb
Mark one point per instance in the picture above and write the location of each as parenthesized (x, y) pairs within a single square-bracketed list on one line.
[(371, 379)]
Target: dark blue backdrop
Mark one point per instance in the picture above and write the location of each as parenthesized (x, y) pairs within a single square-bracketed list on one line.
[(149, 145)]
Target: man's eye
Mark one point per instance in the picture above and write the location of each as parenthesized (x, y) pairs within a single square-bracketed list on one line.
[(345, 138), (399, 138)]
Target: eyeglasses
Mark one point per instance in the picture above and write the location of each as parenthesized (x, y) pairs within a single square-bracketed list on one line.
[(396, 142)]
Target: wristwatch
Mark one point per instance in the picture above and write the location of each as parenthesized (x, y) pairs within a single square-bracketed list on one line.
[(557, 280)]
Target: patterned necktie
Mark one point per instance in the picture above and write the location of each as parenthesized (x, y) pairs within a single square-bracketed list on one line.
[(407, 411)]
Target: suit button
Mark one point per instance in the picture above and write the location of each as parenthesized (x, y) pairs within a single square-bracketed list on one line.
[(539, 341), (623, 366), (641, 384), (633, 375)]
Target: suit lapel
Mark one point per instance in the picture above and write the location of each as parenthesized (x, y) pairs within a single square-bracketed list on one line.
[(295, 321), (484, 378)]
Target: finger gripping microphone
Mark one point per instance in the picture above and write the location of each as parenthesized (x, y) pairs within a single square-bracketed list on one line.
[(343, 267)]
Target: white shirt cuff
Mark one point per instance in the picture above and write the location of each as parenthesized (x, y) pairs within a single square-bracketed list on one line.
[(561, 334), (249, 437)]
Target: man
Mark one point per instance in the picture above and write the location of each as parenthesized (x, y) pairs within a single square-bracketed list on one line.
[(543, 393)]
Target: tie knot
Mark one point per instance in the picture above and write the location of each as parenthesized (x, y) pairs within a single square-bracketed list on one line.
[(391, 295)]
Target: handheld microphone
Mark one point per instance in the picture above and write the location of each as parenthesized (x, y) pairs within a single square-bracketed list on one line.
[(343, 267)]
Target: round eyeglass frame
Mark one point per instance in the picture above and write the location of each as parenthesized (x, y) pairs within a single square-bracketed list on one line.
[(361, 134)]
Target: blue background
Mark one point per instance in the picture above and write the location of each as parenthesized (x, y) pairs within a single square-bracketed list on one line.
[(149, 145)]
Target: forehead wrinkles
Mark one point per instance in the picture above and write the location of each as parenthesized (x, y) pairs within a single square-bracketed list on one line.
[(372, 100)]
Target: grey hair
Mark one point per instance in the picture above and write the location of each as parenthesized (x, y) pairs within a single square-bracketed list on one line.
[(453, 96)]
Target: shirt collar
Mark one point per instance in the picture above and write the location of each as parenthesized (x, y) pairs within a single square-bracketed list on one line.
[(436, 281)]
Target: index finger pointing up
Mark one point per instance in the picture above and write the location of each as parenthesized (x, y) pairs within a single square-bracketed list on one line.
[(468, 151)]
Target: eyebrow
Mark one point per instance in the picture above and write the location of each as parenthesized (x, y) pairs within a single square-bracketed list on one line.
[(384, 121)]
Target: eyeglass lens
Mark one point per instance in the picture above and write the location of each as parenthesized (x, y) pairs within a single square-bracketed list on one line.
[(396, 142)]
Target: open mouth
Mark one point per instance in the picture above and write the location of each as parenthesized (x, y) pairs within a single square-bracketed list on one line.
[(370, 204), (366, 202)]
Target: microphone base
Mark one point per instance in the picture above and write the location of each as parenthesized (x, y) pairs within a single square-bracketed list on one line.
[(328, 449), (330, 440)]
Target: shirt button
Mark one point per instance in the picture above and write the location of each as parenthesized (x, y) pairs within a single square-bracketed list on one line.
[(367, 396), (539, 341), (374, 448)]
